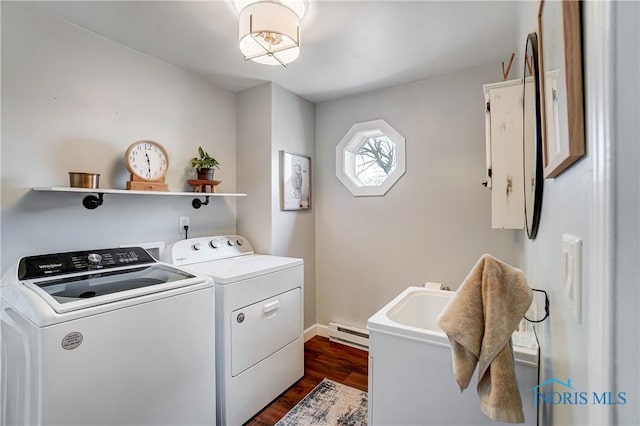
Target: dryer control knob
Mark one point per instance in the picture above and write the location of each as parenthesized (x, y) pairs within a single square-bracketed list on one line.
[(239, 241), (231, 243), (214, 244), (196, 246), (94, 258)]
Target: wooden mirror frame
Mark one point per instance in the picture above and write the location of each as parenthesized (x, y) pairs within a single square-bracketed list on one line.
[(571, 144)]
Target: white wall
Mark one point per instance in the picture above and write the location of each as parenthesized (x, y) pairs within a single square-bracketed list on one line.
[(254, 166), (567, 208), (564, 210), (433, 224), (270, 119), (74, 101), (293, 121), (627, 196)]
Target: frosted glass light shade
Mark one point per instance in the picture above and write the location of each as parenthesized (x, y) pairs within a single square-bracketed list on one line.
[(298, 6), (269, 33)]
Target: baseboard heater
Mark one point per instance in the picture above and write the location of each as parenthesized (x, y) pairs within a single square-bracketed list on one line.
[(347, 335)]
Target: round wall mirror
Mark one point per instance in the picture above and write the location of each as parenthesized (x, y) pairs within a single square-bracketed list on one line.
[(532, 138)]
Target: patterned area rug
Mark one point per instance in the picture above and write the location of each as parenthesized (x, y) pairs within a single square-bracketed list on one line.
[(329, 403)]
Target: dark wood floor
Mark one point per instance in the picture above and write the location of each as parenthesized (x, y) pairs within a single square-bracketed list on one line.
[(322, 358)]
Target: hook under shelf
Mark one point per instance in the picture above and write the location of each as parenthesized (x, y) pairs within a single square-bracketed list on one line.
[(92, 202), (197, 203)]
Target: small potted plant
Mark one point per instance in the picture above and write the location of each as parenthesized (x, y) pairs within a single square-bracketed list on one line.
[(205, 164)]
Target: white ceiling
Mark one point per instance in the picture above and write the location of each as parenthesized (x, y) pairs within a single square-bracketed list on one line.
[(346, 46)]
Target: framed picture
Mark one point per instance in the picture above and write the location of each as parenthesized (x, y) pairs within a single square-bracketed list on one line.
[(295, 181), (560, 58)]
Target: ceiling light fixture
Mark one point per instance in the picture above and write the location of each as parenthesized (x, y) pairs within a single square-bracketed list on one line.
[(270, 30)]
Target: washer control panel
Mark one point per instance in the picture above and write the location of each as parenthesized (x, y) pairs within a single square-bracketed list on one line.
[(205, 249), (47, 265)]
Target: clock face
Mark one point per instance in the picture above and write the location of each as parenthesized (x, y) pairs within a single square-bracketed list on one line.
[(147, 160)]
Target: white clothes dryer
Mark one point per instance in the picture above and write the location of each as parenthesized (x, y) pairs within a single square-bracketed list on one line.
[(106, 337), (259, 321)]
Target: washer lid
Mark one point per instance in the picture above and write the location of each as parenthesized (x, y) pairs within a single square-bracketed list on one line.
[(226, 271), (70, 293)]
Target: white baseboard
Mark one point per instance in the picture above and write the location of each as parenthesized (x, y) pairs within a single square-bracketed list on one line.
[(316, 330), (310, 332), (323, 330)]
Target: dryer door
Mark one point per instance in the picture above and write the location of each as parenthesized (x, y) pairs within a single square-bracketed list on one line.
[(263, 328)]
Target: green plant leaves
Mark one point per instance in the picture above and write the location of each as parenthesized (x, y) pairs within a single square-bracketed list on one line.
[(204, 161)]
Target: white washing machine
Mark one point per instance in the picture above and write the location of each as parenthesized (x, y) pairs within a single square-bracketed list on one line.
[(259, 320), (106, 337)]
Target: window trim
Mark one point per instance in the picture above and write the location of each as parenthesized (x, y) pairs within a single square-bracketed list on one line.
[(351, 143)]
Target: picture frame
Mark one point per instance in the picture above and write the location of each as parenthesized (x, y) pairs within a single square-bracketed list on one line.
[(562, 106), (295, 181)]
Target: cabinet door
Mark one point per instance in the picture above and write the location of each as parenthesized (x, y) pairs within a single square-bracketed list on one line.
[(504, 121)]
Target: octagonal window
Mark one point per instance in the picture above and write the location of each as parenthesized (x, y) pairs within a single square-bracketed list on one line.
[(370, 158), (375, 160)]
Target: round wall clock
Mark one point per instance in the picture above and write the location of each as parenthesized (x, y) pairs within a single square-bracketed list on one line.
[(148, 163)]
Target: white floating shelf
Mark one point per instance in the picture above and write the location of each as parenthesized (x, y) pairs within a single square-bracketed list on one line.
[(92, 202), (131, 192)]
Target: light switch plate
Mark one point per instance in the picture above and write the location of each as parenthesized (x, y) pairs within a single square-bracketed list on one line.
[(571, 272)]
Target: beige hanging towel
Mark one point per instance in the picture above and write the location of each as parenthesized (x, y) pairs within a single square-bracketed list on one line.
[(479, 321)]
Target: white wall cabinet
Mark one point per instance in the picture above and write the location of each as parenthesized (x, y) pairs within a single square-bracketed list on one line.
[(503, 121)]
